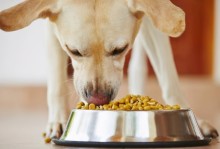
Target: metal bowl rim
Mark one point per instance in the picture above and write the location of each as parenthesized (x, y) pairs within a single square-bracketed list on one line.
[(180, 110)]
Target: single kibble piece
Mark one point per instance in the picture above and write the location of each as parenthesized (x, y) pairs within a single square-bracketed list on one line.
[(92, 106), (176, 107), (47, 140)]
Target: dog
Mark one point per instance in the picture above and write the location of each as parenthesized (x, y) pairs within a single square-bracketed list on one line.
[(97, 35)]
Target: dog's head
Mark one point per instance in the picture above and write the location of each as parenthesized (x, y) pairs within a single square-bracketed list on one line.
[(96, 34)]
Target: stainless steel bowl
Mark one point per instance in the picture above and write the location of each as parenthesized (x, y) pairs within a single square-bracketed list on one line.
[(131, 126)]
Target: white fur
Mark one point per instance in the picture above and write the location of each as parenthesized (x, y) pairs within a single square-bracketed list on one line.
[(57, 89), (137, 70)]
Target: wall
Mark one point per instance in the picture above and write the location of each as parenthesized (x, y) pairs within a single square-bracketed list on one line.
[(23, 53), (217, 42)]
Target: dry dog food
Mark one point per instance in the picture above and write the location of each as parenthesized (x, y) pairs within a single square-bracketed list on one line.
[(46, 139), (130, 102)]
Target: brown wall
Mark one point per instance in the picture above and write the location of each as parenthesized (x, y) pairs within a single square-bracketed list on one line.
[(193, 50)]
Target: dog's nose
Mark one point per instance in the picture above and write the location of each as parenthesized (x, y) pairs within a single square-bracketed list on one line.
[(98, 95)]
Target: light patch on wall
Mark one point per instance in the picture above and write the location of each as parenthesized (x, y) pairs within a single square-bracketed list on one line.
[(23, 53)]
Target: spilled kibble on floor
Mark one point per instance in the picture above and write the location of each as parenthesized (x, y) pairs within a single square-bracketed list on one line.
[(130, 102), (46, 139)]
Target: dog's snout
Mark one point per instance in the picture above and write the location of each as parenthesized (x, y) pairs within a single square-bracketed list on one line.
[(98, 94)]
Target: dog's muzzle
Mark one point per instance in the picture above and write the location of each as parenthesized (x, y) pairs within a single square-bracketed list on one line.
[(98, 95)]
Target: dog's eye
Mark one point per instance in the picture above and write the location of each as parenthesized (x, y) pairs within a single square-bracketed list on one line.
[(76, 53), (118, 51)]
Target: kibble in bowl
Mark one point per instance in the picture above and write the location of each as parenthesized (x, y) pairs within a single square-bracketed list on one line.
[(130, 102)]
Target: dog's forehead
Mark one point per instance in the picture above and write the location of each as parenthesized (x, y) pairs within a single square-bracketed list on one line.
[(83, 23)]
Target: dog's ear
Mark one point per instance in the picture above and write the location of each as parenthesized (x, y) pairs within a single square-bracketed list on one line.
[(25, 13), (165, 16)]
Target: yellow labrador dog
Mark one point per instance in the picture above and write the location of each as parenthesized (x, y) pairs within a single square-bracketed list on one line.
[(96, 35)]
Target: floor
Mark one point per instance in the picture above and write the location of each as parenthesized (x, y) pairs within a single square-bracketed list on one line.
[(23, 110)]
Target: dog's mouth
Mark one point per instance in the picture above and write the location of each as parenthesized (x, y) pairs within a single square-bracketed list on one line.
[(99, 97), (98, 100)]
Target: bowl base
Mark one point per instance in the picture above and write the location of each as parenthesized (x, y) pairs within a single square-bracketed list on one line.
[(132, 144)]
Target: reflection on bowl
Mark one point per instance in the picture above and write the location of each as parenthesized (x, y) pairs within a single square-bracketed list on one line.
[(132, 126)]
